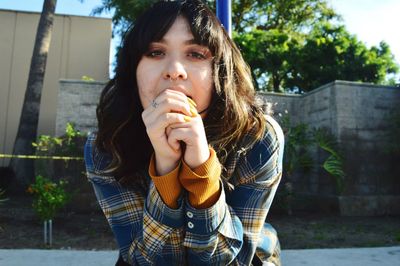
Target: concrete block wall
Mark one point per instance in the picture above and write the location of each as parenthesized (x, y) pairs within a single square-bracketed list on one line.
[(356, 113), (363, 115), (77, 102)]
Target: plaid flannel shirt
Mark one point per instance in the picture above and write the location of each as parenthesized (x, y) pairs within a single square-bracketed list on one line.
[(232, 231)]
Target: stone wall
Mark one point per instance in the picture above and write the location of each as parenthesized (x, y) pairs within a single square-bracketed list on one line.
[(356, 113), (77, 101)]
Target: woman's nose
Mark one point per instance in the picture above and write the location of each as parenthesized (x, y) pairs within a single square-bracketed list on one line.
[(175, 70)]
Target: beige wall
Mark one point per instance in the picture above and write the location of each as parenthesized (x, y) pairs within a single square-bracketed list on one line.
[(79, 46)]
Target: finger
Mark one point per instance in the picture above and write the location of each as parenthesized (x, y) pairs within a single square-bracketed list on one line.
[(168, 101), (177, 95), (176, 137), (187, 99), (159, 125), (179, 134), (174, 143), (168, 130), (166, 106), (173, 94)]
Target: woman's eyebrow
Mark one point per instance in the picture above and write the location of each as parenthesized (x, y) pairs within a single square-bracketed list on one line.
[(191, 41)]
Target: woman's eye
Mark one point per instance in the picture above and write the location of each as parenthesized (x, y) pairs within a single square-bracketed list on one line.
[(197, 55), (155, 53)]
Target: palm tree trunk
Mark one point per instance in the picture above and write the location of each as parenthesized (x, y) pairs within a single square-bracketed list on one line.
[(28, 123), (256, 86)]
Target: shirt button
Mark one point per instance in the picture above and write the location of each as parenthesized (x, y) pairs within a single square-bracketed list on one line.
[(189, 214), (190, 225)]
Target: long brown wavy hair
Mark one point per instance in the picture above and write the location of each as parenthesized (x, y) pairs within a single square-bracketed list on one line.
[(233, 111)]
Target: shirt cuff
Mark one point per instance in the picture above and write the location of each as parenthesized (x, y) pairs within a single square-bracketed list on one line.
[(205, 221), (202, 183), (167, 185), (160, 212)]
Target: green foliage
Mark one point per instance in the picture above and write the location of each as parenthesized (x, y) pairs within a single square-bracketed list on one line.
[(2, 196), (68, 145), (296, 153), (65, 145), (334, 163), (262, 14), (48, 197), (282, 15), (125, 12), (268, 52), (87, 78), (299, 140), (295, 45), (331, 53)]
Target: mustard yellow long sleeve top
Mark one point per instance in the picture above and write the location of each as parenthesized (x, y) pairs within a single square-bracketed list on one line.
[(201, 183)]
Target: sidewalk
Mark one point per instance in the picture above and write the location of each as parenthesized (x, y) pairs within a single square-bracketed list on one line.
[(387, 256)]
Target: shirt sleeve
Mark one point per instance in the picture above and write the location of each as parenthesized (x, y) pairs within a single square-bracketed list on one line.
[(231, 229), (202, 183), (168, 185), (141, 222)]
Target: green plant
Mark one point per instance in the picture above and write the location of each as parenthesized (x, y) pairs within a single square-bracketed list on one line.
[(48, 197), (299, 140), (68, 145), (2, 196), (87, 78), (65, 145), (334, 163)]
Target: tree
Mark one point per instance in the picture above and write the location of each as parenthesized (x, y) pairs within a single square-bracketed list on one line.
[(125, 12), (27, 129), (276, 38), (279, 21), (287, 15), (268, 52), (331, 53)]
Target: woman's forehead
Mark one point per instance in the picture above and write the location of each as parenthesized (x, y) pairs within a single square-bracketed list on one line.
[(179, 31)]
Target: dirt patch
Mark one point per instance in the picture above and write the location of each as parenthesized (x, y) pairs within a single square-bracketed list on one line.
[(302, 231), (19, 228)]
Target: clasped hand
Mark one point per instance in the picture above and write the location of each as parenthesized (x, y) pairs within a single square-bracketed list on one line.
[(176, 131)]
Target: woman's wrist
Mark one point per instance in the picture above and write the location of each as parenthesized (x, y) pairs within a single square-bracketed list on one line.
[(195, 161), (165, 165)]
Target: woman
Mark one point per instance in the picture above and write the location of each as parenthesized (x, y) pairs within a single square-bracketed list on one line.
[(185, 164)]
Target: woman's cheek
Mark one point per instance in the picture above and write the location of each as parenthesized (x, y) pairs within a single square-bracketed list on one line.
[(147, 91)]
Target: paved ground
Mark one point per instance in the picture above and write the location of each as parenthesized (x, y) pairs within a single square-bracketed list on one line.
[(388, 256)]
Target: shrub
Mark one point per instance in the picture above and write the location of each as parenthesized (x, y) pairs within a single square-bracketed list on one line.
[(48, 197)]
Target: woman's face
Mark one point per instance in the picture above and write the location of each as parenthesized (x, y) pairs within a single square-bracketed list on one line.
[(176, 62)]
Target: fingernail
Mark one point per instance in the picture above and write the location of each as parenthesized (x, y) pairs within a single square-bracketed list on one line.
[(193, 111), (192, 102)]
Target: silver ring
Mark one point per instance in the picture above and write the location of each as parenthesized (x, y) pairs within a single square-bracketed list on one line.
[(154, 104)]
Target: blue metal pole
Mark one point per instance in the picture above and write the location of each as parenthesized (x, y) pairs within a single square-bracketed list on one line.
[(224, 13)]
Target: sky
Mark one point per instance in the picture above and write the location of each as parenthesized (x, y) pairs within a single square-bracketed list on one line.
[(372, 21)]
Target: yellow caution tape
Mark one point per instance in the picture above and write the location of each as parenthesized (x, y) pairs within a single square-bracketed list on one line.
[(40, 157)]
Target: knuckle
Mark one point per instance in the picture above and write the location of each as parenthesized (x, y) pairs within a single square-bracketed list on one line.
[(169, 101), (166, 116)]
